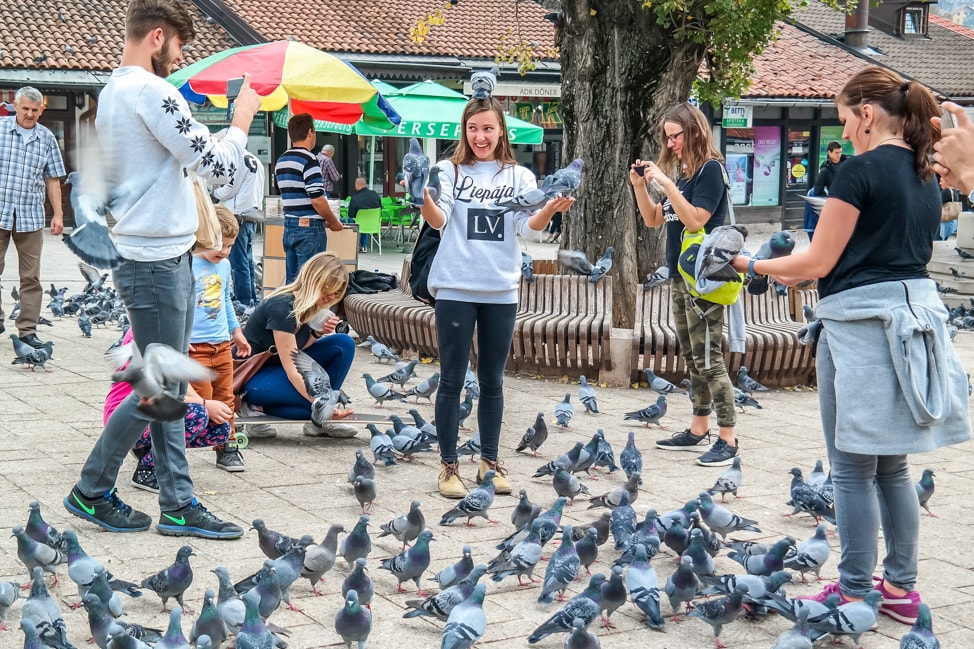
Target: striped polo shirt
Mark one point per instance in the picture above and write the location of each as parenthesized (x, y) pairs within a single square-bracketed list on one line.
[(299, 180)]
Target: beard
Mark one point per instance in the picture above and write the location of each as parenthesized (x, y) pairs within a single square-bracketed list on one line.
[(162, 63)]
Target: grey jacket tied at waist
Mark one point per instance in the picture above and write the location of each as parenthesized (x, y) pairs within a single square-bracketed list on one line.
[(900, 387)]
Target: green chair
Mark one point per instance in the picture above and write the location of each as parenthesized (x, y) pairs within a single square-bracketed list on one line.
[(370, 223), (343, 210), (390, 213)]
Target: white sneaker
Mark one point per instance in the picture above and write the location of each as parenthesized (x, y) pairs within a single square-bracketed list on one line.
[(260, 431), (329, 430)]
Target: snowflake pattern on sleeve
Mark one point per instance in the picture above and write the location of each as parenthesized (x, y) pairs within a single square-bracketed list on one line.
[(198, 143), (184, 125), (169, 105)]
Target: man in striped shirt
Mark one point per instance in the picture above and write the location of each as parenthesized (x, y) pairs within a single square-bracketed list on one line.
[(303, 200)]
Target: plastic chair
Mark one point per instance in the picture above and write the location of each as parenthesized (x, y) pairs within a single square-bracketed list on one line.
[(343, 210), (370, 223)]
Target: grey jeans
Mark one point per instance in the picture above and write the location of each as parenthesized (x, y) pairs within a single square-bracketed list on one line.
[(160, 298), (869, 490)]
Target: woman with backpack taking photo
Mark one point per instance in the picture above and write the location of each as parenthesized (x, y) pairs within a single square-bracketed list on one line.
[(696, 200)]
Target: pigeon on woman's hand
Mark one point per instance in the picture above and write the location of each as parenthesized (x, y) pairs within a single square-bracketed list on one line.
[(415, 169), (564, 181), (717, 250)]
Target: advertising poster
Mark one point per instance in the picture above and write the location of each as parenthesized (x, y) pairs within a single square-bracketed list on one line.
[(832, 134), (767, 166), (737, 168)]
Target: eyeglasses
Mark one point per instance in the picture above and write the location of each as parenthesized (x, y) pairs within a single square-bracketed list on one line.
[(674, 137)]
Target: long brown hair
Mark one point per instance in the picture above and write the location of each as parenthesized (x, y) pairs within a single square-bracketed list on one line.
[(503, 154), (698, 142), (907, 103)]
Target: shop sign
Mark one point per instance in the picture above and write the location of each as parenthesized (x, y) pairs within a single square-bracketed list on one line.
[(737, 117)]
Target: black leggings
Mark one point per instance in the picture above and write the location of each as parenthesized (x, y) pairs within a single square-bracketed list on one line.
[(454, 328)]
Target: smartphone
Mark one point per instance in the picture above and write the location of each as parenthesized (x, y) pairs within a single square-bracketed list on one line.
[(233, 91), (946, 120), (641, 170)]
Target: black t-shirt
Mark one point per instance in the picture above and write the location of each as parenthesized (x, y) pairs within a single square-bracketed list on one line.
[(363, 199), (706, 189), (273, 315), (898, 219)]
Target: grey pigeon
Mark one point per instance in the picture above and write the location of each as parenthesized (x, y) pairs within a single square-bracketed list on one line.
[(426, 428), (562, 569), (31, 639), (548, 522), (358, 543), (103, 626), (765, 564), (229, 604), (365, 493), (154, 375), (84, 323), (324, 398), (535, 436), (174, 638), (37, 555), (567, 461), (407, 526), (380, 351), (729, 481), (651, 414), (643, 587), (921, 635), (122, 640), (580, 637), (818, 475), (359, 581), (82, 569), (90, 201), (925, 488), (273, 544), (564, 411), (587, 548), (622, 522), (521, 559), (647, 535), (683, 514), (586, 394), (44, 612), (173, 581), (527, 267), (320, 558), (100, 587), (253, 634), (411, 563), (564, 181), (742, 399), (676, 537), (454, 573), (36, 357), (604, 455), (657, 278), (747, 384), (576, 261), (759, 588), (614, 595), (703, 563), (361, 467), (793, 609), (797, 637), (415, 170), (433, 185), (567, 485), (425, 388), (811, 554), (585, 606), (9, 593), (475, 503), (267, 584), (720, 519), (39, 530), (401, 374), (353, 622), (851, 619), (467, 621), (409, 446), (470, 447), (721, 611), (470, 382), (287, 569), (522, 512), (661, 385), (381, 392), (442, 604), (809, 499), (613, 498), (717, 250), (631, 460), (483, 82), (382, 447), (681, 587), (465, 408)]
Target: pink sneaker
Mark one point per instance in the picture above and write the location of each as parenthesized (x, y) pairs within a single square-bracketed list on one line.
[(902, 609), (831, 589)]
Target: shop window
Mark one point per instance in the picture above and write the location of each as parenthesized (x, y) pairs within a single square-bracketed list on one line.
[(753, 161)]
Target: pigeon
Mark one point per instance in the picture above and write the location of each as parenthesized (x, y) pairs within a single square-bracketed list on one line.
[(631, 460), (586, 394), (577, 262), (353, 623), (89, 239), (287, 569), (818, 475), (548, 523), (658, 277), (455, 573), (747, 384), (614, 595), (425, 388), (100, 587), (360, 582), (320, 558), (589, 454), (84, 324), (797, 637), (564, 412), (324, 398), (759, 588), (467, 622), (765, 564), (382, 447), (524, 512), (585, 606), (210, 623), (475, 503), (651, 414), (811, 554), (31, 639), (229, 604), (466, 407), (380, 351), (154, 374), (604, 455), (676, 537), (562, 569), (44, 612), (527, 267), (470, 447), (643, 587), (9, 593), (272, 544), (703, 563), (35, 357), (717, 250), (718, 612), (483, 82), (433, 185), (809, 499), (851, 619), (416, 170), (921, 635), (622, 522), (406, 527), (567, 485), (521, 559), (535, 436), (963, 254), (925, 488), (37, 555), (411, 563), (360, 468), (793, 609), (173, 581), (426, 428), (470, 382), (661, 385), (587, 547), (600, 525), (613, 499), (253, 634), (720, 519), (681, 587), (580, 637), (381, 392), (566, 461), (684, 515), (729, 481), (742, 399), (365, 493), (103, 626), (82, 569), (564, 181), (39, 530), (401, 374)]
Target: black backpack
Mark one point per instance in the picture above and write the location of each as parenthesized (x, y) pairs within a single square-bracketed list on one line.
[(427, 243)]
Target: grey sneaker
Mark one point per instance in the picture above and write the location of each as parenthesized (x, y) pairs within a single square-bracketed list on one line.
[(330, 430), (260, 431), (720, 454), (195, 520), (229, 459), (683, 441)]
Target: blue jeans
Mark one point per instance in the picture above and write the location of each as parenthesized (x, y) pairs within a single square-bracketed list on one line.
[(869, 490), (242, 265), (160, 301), (301, 244), (455, 323), (271, 389)]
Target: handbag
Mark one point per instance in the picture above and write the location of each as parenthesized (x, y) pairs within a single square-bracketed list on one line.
[(427, 243), (951, 209), (209, 235), (244, 369)]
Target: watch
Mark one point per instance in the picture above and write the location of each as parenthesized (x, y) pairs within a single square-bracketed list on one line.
[(970, 197), (750, 268)]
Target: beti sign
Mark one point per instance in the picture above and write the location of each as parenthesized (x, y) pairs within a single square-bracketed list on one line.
[(738, 117)]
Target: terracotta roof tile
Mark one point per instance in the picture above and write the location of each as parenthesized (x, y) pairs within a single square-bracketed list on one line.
[(473, 29), (81, 35)]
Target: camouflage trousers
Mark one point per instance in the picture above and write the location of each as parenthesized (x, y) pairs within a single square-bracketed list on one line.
[(700, 338)]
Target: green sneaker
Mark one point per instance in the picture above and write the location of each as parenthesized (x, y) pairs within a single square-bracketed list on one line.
[(107, 511), (195, 520)]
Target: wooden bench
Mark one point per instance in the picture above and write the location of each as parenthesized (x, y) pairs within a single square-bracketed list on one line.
[(773, 354)]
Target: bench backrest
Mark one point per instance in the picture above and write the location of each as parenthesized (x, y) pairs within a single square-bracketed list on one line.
[(566, 295)]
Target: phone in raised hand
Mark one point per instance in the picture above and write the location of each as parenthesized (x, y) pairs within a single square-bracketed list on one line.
[(946, 119), (233, 91)]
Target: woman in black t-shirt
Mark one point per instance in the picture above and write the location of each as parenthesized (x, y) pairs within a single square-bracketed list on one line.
[(697, 199), (290, 319)]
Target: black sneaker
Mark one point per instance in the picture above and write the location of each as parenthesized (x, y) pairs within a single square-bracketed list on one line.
[(32, 340), (720, 454), (195, 520), (107, 511), (229, 459), (683, 441), (144, 478)]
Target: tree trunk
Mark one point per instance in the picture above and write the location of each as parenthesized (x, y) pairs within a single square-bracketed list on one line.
[(620, 73)]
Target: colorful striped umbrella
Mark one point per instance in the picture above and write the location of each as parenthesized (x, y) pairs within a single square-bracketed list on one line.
[(288, 73)]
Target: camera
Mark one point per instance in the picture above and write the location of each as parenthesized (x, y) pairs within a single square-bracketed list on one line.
[(234, 86), (641, 170)]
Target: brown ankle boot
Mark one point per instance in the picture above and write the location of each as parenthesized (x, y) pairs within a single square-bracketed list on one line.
[(501, 484), (449, 482)]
